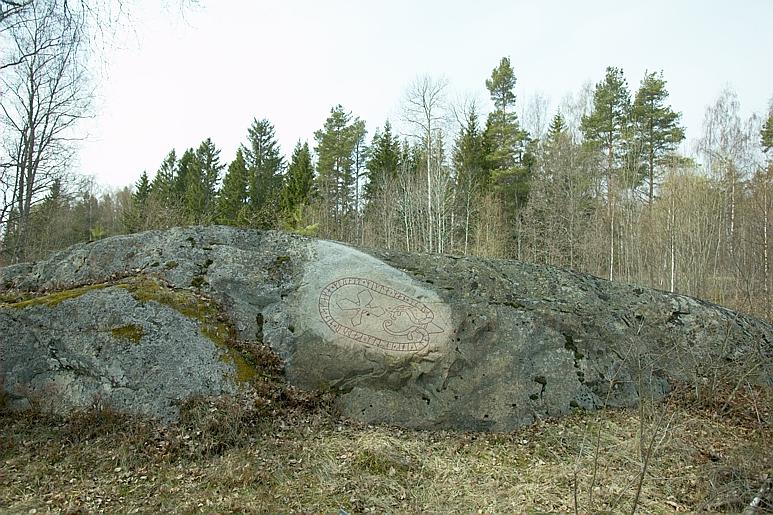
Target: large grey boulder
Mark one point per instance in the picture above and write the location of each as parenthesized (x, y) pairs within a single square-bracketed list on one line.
[(420, 341)]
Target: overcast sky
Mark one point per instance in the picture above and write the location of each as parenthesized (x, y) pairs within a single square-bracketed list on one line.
[(172, 82)]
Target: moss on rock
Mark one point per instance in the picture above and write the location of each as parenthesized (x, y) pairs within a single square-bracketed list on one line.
[(195, 307), (52, 299), (131, 332)]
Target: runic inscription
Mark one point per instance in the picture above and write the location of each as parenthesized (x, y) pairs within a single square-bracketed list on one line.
[(376, 315)]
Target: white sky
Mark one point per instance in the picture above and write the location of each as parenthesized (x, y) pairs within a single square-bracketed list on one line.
[(175, 82)]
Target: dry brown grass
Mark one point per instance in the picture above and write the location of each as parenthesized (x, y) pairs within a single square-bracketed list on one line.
[(297, 456)]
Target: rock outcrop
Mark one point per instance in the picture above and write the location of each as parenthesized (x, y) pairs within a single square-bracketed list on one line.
[(144, 321)]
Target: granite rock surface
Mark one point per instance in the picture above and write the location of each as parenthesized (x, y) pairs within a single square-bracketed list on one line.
[(421, 341)]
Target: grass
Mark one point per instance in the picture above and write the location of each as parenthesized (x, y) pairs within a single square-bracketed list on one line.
[(276, 449), (285, 451)]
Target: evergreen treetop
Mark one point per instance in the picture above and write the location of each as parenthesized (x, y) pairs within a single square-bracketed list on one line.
[(383, 160), (299, 183), (607, 126), (766, 135), (501, 85)]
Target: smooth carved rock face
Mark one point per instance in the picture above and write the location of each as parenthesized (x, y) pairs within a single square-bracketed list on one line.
[(359, 315), (376, 315)]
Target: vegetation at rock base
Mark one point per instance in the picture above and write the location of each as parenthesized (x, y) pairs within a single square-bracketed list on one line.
[(607, 188), (280, 450)]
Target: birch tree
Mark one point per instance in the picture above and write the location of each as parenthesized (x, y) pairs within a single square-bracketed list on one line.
[(424, 109), (45, 95)]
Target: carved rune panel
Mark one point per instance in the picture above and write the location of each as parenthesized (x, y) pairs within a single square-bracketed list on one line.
[(376, 315)]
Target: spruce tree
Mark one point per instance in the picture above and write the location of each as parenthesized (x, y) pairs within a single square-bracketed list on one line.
[(410, 158), (132, 217), (656, 126), (298, 187), (163, 186), (141, 190), (208, 157), (233, 196), (557, 128), (336, 169), (190, 188), (469, 157), (264, 165), (472, 174), (383, 161), (766, 135), (185, 165)]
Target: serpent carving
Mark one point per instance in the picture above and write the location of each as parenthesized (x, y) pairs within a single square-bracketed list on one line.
[(376, 315)]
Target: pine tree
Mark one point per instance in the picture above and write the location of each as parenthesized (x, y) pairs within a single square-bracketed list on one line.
[(299, 182), (264, 165), (506, 142), (232, 199), (360, 153), (607, 131), (656, 125), (608, 126), (501, 85)]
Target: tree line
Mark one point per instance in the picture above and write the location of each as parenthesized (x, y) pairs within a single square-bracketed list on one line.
[(601, 188)]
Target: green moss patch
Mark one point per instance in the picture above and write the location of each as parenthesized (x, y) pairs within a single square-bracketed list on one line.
[(198, 281), (195, 307), (52, 299), (131, 332), (192, 305)]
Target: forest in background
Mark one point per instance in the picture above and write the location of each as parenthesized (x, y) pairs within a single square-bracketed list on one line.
[(599, 186)]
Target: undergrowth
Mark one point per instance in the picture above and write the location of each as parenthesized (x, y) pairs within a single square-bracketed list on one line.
[(278, 449), (273, 448)]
